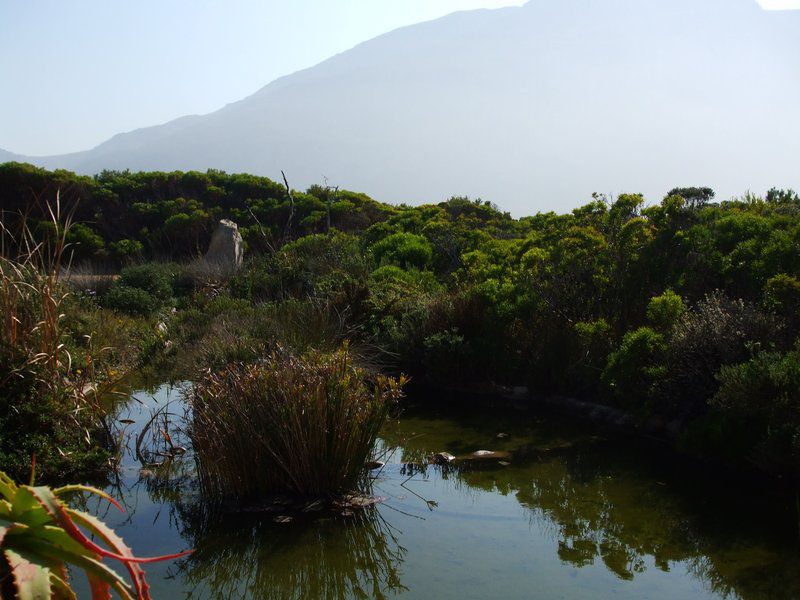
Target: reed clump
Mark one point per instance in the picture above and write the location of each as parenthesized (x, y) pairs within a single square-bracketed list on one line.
[(300, 425)]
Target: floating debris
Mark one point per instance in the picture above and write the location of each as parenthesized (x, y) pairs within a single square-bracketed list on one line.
[(485, 455), (283, 519)]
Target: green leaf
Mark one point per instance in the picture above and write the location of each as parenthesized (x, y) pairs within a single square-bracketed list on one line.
[(7, 486), (69, 489), (32, 581), (91, 565), (61, 589)]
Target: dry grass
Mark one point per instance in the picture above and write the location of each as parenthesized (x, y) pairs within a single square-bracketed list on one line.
[(299, 425), (50, 402)]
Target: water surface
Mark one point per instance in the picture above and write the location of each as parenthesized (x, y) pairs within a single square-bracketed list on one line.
[(574, 514)]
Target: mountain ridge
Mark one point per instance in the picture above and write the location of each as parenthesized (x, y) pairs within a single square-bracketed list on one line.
[(456, 106)]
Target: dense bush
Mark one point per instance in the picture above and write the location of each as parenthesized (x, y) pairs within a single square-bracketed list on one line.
[(131, 301), (144, 289), (716, 332), (405, 250), (664, 311), (635, 366), (764, 392), (617, 301), (49, 404)]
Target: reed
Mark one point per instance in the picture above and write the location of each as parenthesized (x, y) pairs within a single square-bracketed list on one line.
[(302, 425), (49, 403)]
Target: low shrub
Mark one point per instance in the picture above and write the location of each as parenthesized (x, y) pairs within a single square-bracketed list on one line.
[(717, 331), (635, 366), (154, 278), (142, 290), (131, 301), (764, 392), (303, 425)]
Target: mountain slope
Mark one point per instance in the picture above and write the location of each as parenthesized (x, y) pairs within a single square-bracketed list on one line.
[(533, 108)]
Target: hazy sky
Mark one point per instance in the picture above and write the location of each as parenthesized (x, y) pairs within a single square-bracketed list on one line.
[(76, 72)]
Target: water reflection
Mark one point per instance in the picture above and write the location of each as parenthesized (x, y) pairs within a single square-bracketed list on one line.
[(597, 515), (622, 505), (249, 556)]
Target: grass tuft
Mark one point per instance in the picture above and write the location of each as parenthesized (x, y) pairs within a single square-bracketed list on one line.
[(303, 425)]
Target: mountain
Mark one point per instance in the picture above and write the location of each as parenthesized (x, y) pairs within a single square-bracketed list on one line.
[(533, 108)]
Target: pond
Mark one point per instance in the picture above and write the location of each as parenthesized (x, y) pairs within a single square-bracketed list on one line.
[(571, 513)]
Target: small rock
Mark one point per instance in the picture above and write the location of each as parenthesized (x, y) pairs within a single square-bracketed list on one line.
[(441, 458)]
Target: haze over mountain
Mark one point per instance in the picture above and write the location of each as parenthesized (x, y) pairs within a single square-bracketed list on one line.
[(533, 108)]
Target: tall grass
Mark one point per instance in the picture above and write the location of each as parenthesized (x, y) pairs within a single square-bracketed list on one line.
[(49, 400), (287, 424)]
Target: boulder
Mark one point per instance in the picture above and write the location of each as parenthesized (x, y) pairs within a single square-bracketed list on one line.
[(226, 249)]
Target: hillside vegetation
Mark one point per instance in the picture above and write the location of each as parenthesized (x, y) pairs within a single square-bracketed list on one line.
[(683, 310)]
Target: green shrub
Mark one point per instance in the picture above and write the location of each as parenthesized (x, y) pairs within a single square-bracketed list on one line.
[(665, 310), (635, 366), (446, 356), (154, 278), (131, 301), (301, 425), (405, 250), (764, 392), (126, 249), (782, 293), (143, 290), (717, 331)]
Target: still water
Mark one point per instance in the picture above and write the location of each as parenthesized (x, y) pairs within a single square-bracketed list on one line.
[(573, 513)]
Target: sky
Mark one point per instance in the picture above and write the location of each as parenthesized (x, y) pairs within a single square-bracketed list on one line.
[(75, 73)]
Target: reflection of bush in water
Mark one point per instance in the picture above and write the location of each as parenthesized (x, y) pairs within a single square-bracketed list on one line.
[(599, 510), (248, 555)]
